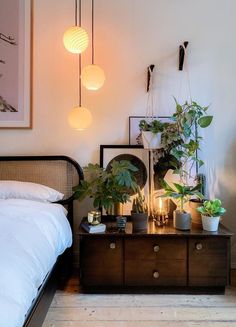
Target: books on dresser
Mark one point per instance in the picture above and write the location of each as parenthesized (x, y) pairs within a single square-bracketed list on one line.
[(100, 228)]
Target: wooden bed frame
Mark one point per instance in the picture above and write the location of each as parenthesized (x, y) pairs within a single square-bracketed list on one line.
[(61, 173)]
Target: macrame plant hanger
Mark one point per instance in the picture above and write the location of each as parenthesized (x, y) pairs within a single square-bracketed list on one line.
[(150, 116)]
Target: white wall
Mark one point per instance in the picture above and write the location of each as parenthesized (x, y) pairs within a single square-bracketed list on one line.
[(130, 35)]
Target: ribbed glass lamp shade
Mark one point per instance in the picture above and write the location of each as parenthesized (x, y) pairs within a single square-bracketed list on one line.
[(80, 118), (92, 77), (75, 39)]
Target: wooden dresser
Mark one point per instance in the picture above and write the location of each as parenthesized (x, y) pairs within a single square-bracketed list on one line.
[(159, 259)]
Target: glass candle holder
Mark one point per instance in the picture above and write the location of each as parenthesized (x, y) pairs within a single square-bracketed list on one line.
[(94, 217), (160, 209)]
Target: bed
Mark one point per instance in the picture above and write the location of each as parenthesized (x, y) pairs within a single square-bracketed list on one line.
[(35, 236)]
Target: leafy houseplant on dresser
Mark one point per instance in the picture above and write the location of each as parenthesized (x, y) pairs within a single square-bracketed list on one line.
[(211, 212), (107, 188)]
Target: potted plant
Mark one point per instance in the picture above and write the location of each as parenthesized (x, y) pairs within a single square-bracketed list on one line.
[(139, 213), (195, 202), (211, 212), (181, 140), (182, 193), (107, 188), (151, 133)]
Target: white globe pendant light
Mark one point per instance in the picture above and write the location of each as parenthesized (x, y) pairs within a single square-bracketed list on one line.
[(76, 38), (80, 118), (92, 76)]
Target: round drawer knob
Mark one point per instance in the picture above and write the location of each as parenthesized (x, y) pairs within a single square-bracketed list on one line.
[(156, 274), (156, 248), (198, 246), (112, 245)]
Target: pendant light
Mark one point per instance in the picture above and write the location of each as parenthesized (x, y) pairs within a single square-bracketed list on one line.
[(92, 76), (75, 38), (80, 117)]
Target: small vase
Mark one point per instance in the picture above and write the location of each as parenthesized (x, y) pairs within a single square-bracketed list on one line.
[(196, 216), (139, 221), (151, 140), (210, 224), (181, 220)]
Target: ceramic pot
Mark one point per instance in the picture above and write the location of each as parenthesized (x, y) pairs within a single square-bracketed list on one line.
[(151, 140), (139, 221), (210, 224), (196, 216), (181, 220)]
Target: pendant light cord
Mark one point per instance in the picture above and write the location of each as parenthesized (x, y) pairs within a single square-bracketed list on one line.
[(80, 93), (92, 31), (79, 58)]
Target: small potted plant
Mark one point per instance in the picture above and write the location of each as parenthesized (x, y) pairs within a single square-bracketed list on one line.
[(151, 133), (107, 188), (139, 213), (182, 193), (211, 212)]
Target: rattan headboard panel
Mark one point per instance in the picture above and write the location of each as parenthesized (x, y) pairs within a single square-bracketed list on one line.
[(58, 172)]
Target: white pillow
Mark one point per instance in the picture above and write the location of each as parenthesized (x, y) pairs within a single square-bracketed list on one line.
[(28, 191)]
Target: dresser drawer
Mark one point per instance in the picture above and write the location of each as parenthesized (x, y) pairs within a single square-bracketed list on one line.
[(154, 272), (155, 248), (208, 261), (155, 261), (101, 261)]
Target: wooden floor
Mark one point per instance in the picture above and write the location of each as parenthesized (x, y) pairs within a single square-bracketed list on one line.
[(72, 309)]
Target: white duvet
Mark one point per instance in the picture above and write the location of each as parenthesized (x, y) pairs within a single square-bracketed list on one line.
[(32, 235)]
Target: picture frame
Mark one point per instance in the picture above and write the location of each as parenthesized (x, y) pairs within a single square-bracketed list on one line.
[(138, 156), (134, 132), (16, 64)]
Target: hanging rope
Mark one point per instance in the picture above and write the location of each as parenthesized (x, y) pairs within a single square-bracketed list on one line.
[(151, 97)]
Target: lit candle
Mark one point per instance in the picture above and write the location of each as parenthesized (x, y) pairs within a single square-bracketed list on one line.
[(160, 206)]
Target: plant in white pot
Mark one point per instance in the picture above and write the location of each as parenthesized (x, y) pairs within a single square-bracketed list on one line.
[(182, 193), (151, 133), (139, 213), (211, 212)]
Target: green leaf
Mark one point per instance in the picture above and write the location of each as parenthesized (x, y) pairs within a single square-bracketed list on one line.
[(205, 121)]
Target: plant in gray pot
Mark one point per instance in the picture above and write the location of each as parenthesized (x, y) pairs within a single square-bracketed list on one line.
[(139, 213), (182, 193)]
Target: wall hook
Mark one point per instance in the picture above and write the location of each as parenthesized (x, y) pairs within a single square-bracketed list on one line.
[(151, 67), (181, 54)]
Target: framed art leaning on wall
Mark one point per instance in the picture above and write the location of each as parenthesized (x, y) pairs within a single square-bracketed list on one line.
[(15, 64), (138, 156)]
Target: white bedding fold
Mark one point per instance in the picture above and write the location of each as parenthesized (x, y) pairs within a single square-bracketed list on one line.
[(32, 236)]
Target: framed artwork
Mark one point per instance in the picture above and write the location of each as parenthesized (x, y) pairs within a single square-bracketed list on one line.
[(15, 63), (134, 132), (138, 156)]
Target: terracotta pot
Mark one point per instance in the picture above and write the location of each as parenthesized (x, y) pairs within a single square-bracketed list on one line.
[(210, 224), (139, 221), (151, 140), (181, 220), (196, 216)]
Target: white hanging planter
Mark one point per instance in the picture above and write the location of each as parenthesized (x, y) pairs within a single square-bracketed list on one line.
[(151, 140), (210, 224)]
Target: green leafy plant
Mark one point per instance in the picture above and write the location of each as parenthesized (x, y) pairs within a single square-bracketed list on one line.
[(107, 187), (180, 138), (212, 208), (181, 192), (139, 203), (155, 126)]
